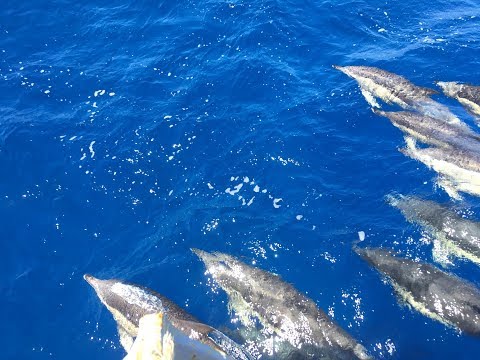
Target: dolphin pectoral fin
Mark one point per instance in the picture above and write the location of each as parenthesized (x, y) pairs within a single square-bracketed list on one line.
[(370, 98), (410, 142), (449, 188), (126, 340), (410, 147)]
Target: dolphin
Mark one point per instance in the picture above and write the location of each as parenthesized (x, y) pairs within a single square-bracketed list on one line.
[(434, 293), (459, 169), (432, 131), (461, 236), (467, 95), (128, 303), (292, 317), (395, 89)]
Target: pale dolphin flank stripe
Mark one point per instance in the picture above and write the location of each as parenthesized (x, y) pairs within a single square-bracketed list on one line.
[(459, 235), (128, 303), (395, 89), (433, 131), (288, 315), (467, 95), (459, 169), (432, 292)]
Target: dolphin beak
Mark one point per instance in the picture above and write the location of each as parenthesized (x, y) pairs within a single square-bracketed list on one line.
[(91, 280), (203, 255)]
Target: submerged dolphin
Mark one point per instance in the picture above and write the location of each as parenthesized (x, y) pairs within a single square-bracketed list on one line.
[(395, 89), (459, 169), (467, 95), (128, 303), (432, 131), (432, 292), (461, 236), (280, 308)]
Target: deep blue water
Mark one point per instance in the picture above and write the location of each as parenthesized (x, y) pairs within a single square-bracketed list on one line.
[(123, 124)]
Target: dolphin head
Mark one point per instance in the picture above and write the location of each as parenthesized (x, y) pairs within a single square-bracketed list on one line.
[(449, 88), (225, 269), (351, 71), (375, 257), (127, 302)]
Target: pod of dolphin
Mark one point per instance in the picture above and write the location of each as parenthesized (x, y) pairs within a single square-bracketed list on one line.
[(453, 148), (151, 326)]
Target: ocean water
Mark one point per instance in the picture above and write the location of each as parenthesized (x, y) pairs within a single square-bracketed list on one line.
[(133, 131)]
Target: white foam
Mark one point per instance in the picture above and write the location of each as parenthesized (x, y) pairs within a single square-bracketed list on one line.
[(275, 203), (361, 235), (299, 217), (236, 189), (256, 188), (90, 147)]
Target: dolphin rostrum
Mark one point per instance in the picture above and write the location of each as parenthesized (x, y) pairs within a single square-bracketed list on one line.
[(432, 292), (395, 89), (467, 95), (129, 303), (292, 317), (460, 236)]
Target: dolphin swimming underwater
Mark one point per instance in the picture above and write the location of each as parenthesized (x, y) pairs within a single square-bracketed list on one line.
[(129, 303), (460, 236), (432, 292), (459, 169), (467, 95), (432, 131), (395, 89), (280, 308)]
